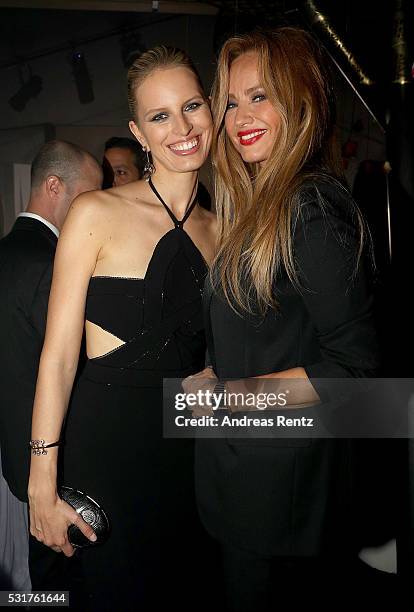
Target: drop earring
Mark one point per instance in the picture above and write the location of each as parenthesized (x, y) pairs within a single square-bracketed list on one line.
[(149, 167)]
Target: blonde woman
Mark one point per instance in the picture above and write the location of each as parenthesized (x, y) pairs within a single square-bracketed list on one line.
[(287, 298), (134, 258)]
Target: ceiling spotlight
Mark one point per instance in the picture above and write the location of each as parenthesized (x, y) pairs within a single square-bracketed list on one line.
[(82, 78), (29, 89)]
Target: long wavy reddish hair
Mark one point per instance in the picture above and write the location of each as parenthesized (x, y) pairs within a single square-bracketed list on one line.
[(256, 204)]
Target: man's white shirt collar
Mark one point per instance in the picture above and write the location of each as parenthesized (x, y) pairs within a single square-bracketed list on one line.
[(52, 227)]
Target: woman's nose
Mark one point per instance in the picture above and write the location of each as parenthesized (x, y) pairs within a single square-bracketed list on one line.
[(243, 116), (182, 125)]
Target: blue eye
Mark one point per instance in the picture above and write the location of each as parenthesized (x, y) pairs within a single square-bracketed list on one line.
[(159, 117), (259, 98)]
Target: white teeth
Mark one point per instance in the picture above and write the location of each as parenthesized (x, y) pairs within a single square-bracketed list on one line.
[(185, 146), (252, 135)]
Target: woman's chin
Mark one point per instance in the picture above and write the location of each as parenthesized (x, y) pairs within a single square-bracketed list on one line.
[(189, 164), (252, 157)]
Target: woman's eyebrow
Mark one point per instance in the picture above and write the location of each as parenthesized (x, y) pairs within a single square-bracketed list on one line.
[(164, 108), (247, 91), (155, 110), (252, 89)]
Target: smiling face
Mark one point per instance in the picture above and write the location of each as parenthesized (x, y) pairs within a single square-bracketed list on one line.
[(174, 120), (251, 121)]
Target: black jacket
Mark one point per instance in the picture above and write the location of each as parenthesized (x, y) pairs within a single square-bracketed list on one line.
[(279, 496), (26, 265)]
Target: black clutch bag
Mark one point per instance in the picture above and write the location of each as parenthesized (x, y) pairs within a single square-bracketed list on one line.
[(91, 512)]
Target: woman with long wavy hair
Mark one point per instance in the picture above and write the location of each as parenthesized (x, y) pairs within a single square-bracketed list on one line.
[(288, 298)]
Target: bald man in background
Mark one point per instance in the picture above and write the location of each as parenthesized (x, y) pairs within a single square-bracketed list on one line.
[(60, 172)]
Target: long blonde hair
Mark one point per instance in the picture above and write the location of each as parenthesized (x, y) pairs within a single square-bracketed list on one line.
[(255, 205)]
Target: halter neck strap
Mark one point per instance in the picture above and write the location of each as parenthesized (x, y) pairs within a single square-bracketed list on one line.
[(178, 224)]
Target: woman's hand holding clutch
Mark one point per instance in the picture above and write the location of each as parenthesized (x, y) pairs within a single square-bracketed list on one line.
[(50, 518)]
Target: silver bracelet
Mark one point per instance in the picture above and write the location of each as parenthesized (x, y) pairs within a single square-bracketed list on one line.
[(39, 447)]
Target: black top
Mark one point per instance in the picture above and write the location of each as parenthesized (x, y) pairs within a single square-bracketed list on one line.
[(159, 317), (26, 264), (281, 496), (326, 327)]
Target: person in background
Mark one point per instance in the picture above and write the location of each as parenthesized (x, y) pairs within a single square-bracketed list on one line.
[(60, 172), (123, 161)]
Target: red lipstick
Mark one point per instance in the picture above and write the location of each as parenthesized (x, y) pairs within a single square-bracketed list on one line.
[(251, 140)]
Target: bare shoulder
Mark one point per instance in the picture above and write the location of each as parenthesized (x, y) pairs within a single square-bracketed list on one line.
[(136, 192), (90, 204), (97, 208)]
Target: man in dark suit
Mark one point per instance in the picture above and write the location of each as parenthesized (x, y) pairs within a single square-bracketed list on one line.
[(60, 172)]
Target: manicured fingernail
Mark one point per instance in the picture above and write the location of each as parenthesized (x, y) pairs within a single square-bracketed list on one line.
[(93, 537)]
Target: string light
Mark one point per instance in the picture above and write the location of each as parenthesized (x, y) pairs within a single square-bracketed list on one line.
[(400, 47), (319, 17)]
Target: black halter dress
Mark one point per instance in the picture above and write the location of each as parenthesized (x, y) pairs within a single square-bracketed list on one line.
[(114, 447)]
